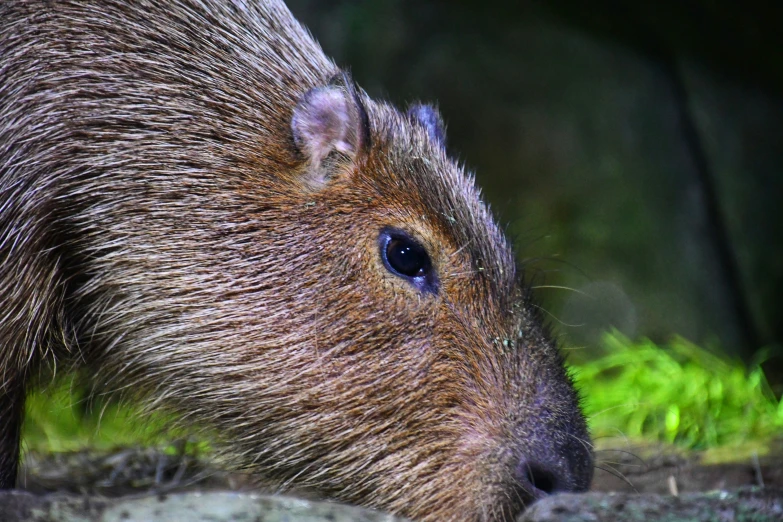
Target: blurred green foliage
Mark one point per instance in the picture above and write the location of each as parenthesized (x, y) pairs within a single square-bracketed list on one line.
[(62, 417), (679, 393)]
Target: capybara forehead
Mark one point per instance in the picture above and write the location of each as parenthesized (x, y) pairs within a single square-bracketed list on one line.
[(405, 164)]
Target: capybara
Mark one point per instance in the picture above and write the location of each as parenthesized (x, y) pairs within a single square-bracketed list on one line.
[(199, 208)]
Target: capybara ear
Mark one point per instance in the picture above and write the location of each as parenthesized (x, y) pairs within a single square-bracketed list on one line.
[(428, 117), (330, 126)]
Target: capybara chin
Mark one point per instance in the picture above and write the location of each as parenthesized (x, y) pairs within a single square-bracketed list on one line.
[(197, 205)]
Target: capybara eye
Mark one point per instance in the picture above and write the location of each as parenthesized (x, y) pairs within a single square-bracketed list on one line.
[(403, 256), (406, 258)]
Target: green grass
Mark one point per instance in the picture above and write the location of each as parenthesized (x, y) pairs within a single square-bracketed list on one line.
[(59, 418), (678, 393)]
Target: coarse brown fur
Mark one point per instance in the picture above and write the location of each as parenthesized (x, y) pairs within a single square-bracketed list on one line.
[(181, 217)]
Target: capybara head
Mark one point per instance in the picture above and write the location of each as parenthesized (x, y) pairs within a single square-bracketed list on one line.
[(236, 230)]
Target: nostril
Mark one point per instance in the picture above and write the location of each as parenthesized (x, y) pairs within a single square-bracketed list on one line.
[(536, 480), (542, 471), (541, 479)]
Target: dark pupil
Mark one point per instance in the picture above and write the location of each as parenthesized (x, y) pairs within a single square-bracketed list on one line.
[(407, 258)]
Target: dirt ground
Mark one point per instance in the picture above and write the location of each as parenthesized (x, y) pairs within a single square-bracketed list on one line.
[(667, 470)]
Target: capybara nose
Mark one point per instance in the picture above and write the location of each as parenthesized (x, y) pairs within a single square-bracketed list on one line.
[(532, 481), (552, 472)]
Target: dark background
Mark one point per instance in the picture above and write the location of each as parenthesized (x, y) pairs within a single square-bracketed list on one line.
[(634, 150)]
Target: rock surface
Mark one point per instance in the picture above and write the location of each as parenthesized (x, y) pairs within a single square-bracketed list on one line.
[(215, 506), (142, 484), (746, 504), (756, 504)]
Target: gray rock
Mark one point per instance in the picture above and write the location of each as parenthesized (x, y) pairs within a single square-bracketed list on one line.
[(19, 506), (746, 504)]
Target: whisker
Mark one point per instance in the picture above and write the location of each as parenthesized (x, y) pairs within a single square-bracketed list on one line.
[(622, 463), (597, 413), (586, 443), (619, 475), (463, 274), (529, 260), (562, 287), (625, 452), (553, 316), (460, 249)]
